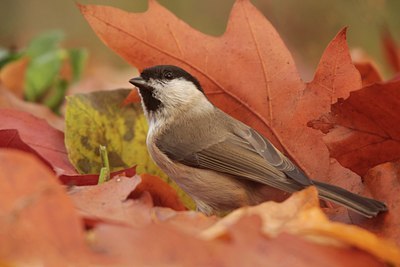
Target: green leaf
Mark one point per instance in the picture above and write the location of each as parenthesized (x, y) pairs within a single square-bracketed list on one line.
[(56, 95), (44, 43), (41, 73), (98, 118), (77, 58)]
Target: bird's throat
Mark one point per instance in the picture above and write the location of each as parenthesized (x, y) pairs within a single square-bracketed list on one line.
[(151, 103)]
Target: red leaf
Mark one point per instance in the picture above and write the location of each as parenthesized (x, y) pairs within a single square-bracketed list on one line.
[(39, 136), (93, 179), (369, 73), (365, 128)]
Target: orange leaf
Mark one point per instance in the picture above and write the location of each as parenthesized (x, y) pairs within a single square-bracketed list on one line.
[(383, 181), (246, 247), (301, 215), (253, 77), (12, 76), (39, 225), (162, 193)]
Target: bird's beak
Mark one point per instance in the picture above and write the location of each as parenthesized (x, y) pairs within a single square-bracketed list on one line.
[(138, 82)]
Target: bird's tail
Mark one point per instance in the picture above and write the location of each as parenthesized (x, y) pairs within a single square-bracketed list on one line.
[(365, 206)]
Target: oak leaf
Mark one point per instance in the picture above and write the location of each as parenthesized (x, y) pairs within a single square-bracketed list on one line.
[(253, 78)]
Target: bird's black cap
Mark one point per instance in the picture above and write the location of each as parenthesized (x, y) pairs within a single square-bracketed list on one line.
[(169, 72)]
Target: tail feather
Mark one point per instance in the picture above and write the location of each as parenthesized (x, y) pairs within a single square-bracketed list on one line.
[(365, 206)]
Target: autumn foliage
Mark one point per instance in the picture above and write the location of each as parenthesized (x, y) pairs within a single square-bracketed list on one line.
[(342, 128)]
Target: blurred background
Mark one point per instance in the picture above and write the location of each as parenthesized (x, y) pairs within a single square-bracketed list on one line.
[(306, 26)]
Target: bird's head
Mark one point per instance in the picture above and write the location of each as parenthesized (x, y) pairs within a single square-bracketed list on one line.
[(169, 90)]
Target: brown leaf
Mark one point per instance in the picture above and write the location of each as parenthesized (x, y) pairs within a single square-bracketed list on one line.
[(365, 128), (301, 215), (279, 104), (38, 223), (39, 136), (246, 246)]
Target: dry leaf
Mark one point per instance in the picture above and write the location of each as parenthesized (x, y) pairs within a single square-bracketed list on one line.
[(39, 136), (261, 86), (10, 101), (38, 223), (301, 215), (364, 129), (163, 194)]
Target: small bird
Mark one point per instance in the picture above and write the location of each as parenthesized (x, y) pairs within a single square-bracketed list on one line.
[(219, 161)]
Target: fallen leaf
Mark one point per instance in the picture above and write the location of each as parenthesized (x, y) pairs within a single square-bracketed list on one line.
[(39, 136), (383, 181), (10, 101), (190, 222), (108, 201), (122, 199), (38, 223), (163, 195), (98, 118), (246, 247), (93, 179), (364, 129), (279, 105), (300, 215)]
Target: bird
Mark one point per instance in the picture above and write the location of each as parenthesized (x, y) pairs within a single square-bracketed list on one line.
[(220, 162)]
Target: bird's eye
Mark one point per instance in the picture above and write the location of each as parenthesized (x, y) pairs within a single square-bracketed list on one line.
[(168, 75)]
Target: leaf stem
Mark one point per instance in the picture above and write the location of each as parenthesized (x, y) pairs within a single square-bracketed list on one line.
[(104, 175)]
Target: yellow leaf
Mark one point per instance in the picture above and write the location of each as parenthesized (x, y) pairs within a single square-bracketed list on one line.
[(99, 118)]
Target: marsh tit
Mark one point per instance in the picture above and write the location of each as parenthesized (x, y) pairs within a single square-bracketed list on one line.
[(219, 161)]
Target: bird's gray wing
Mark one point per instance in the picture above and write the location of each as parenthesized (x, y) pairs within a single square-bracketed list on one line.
[(274, 157), (244, 154)]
